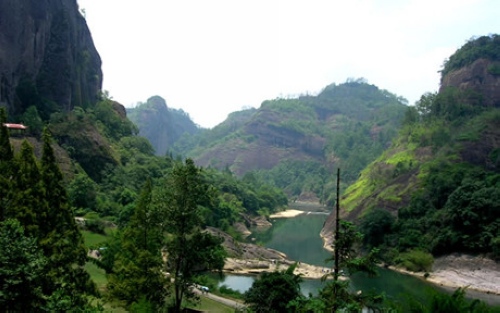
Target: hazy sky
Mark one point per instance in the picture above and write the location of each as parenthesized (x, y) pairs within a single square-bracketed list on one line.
[(211, 58)]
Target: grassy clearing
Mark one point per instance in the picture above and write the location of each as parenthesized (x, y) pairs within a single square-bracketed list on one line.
[(97, 274), (93, 240)]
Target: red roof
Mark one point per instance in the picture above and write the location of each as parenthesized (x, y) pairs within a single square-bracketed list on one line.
[(15, 126)]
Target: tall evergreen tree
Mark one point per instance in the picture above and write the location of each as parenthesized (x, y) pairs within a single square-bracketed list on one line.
[(26, 199), (59, 234), (6, 153), (137, 270), (188, 249), (6, 157)]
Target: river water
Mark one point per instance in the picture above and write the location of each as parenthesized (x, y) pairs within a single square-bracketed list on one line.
[(298, 237)]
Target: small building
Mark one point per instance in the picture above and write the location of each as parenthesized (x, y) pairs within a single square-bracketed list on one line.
[(16, 129)]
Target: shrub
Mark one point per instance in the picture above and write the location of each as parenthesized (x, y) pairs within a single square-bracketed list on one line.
[(95, 226), (416, 261)]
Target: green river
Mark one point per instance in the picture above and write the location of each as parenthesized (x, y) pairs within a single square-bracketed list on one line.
[(298, 237)]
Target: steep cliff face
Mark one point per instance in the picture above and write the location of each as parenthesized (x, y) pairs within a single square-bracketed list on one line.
[(481, 76), (47, 57)]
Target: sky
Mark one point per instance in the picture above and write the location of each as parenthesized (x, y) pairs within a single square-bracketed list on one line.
[(211, 58)]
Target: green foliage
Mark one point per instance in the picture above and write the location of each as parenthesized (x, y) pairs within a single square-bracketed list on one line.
[(348, 125), (32, 119), (137, 262), (336, 295), (78, 133), (226, 291), (375, 225), (456, 302), (82, 192), (189, 250), (38, 201), (494, 69), (272, 292), (487, 47), (110, 122), (416, 261), (23, 266)]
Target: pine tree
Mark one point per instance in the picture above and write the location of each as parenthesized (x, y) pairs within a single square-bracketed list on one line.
[(59, 235), (137, 271), (6, 164), (26, 200), (6, 153)]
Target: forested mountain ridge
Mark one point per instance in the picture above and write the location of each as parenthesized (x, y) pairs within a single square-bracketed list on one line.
[(296, 143), (437, 187), (161, 125)]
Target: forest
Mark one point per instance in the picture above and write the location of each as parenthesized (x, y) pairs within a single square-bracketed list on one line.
[(92, 220)]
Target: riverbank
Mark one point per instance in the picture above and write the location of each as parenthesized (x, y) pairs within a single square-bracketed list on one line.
[(256, 266), (460, 271)]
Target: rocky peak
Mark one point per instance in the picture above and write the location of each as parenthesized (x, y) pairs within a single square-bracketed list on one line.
[(480, 76), (47, 57)]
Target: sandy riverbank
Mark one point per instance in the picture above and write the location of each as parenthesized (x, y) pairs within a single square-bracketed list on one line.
[(458, 270), (287, 214)]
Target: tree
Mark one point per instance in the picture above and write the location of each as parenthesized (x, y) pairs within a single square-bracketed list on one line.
[(137, 271), (273, 292), (22, 265), (336, 293), (82, 192), (188, 249), (38, 201), (346, 256), (6, 163), (59, 236), (375, 225)]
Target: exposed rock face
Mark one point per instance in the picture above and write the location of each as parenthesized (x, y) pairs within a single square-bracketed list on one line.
[(476, 77), (47, 56)]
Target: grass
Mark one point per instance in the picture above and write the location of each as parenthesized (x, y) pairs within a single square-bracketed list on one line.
[(93, 240), (97, 274), (209, 305)]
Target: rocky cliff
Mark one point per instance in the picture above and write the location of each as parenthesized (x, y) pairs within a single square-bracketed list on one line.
[(47, 57), (481, 77)]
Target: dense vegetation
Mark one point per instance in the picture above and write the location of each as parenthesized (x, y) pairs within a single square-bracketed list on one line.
[(42, 249), (441, 176), (294, 144), (483, 47), (104, 184)]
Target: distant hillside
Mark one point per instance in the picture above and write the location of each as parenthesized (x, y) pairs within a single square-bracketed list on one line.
[(297, 143), (161, 125), (440, 179)]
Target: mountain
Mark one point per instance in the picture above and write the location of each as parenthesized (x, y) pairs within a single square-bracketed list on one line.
[(440, 179), (296, 143), (161, 125), (47, 57)]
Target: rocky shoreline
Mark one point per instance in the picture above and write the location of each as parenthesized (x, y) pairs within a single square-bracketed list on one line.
[(453, 271), (462, 271), (256, 266)]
